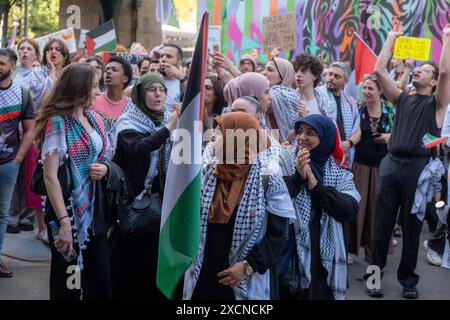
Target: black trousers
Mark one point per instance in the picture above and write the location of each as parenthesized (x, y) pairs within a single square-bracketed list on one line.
[(95, 276), (396, 187)]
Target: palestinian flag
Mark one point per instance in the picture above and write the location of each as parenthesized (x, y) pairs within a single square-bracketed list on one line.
[(431, 141), (101, 39), (180, 222)]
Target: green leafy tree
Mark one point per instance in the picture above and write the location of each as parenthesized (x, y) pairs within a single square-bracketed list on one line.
[(5, 9), (43, 17)]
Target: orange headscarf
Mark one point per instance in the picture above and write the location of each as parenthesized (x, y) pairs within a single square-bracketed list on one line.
[(231, 177)]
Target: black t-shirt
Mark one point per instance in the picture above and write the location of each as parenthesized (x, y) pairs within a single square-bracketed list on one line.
[(367, 151), (415, 116)]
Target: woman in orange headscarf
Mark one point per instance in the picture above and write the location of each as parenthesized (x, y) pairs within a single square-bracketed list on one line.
[(244, 216)]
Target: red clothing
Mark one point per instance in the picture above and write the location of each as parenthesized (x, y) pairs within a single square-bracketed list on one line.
[(109, 108)]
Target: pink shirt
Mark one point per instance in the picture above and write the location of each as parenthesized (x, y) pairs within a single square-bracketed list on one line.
[(109, 108)]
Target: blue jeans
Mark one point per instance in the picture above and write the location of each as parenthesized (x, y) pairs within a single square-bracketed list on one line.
[(8, 176)]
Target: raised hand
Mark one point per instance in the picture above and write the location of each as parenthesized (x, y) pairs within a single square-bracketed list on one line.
[(172, 71), (302, 111), (303, 159), (446, 31), (51, 66), (275, 52), (409, 63), (397, 30)]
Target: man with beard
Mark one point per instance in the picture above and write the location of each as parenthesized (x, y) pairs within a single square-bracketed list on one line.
[(171, 68), (399, 172), (15, 106), (344, 111), (21, 218)]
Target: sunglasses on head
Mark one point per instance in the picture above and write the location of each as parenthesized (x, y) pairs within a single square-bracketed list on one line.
[(370, 77)]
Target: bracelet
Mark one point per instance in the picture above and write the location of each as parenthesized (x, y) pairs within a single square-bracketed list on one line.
[(351, 143), (247, 268), (59, 220)]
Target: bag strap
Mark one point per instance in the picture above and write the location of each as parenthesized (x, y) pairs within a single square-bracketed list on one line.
[(265, 182), (25, 97)]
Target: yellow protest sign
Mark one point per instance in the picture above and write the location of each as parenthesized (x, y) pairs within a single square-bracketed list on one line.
[(416, 48)]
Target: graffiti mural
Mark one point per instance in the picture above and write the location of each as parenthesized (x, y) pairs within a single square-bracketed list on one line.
[(327, 26)]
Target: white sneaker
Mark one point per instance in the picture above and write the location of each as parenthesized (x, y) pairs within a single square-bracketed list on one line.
[(43, 237), (394, 242), (434, 258), (425, 244)]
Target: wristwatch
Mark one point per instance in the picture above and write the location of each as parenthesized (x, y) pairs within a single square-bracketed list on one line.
[(351, 143), (247, 268)]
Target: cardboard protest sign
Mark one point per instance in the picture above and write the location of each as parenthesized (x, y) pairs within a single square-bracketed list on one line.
[(279, 31), (67, 35), (416, 48)]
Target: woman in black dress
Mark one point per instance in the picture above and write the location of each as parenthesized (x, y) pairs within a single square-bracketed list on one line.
[(141, 149)]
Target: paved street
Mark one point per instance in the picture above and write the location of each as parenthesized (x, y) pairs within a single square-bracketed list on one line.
[(31, 279), (434, 283)]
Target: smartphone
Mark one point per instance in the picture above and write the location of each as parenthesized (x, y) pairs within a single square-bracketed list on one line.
[(376, 134)]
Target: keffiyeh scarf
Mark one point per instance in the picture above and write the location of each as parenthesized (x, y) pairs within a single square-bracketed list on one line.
[(350, 113), (68, 137), (332, 245), (40, 83), (134, 119), (109, 122), (285, 102), (249, 227), (428, 185)]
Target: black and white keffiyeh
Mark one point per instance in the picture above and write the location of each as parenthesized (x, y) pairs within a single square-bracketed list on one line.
[(249, 227), (134, 119), (332, 245), (285, 102)]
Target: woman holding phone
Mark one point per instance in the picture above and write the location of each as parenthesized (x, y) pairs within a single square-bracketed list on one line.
[(377, 118)]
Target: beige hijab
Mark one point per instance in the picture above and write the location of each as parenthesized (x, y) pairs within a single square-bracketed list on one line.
[(286, 71)]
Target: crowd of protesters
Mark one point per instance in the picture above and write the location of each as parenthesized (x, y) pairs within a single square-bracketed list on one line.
[(330, 174)]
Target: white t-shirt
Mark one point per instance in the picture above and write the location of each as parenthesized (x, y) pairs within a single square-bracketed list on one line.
[(312, 106), (98, 143), (173, 93)]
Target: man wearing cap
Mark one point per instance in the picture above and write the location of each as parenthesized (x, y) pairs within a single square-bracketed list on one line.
[(247, 64)]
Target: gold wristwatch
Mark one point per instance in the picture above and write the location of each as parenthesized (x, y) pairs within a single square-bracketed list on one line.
[(247, 268)]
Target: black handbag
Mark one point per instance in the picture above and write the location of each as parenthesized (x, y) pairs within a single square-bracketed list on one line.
[(64, 177), (142, 216)]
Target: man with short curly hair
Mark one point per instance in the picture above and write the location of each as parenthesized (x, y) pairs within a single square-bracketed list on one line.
[(308, 71)]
